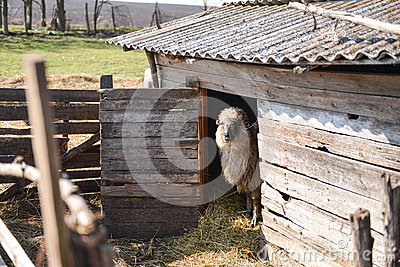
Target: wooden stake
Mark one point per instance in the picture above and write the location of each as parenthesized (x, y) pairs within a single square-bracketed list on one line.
[(391, 206), (362, 240), (357, 19), (40, 116)]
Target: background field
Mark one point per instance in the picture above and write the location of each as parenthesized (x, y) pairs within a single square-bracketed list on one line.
[(71, 59)]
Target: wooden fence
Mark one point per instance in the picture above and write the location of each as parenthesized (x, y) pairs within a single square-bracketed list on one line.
[(73, 239), (76, 125)]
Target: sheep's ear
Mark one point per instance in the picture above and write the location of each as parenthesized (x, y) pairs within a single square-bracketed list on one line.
[(218, 122)]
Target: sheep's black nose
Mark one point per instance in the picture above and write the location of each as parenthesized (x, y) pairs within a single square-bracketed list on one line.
[(226, 136)]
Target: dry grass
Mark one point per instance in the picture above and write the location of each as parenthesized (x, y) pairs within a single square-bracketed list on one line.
[(223, 238), (76, 81)]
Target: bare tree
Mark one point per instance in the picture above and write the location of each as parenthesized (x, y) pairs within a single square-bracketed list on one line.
[(97, 10), (87, 19), (1, 17), (113, 18), (156, 17), (205, 4), (25, 16), (5, 17), (43, 9), (29, 14), (61, 15)]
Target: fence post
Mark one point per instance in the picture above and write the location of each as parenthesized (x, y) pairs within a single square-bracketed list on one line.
[(40, 116), (151, 58), (362, 239), (391, 206), (106, 82)]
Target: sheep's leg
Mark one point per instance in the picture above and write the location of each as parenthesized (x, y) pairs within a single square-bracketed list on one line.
[(256, 200), (249, 203)]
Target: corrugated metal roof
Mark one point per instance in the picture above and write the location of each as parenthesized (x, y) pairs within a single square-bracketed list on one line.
[(269, 2), (275, 34)]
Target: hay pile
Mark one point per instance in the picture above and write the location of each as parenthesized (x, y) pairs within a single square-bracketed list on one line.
[(76, 81), (223, 238)]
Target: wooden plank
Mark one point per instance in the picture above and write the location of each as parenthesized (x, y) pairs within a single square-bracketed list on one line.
[(28, 158), (368, 128), (377, 153), (13, 249), (301, 245), (336, 228), (365, 83), (149, 104), (56, 95), (110, 203), (82, 127), (182, 116), (150, 153), (149, 142), (87, 185), (60, 128), (146, 104), (14, 131), (324, 196), (83, 160), (167, 191), (348, 174), (148, 230), (150, 215), (23, 145), (146, 93), (148, 129), (130, 177), (79, 174), (62, 111), (135, 164), (81, 148), (40, 116), (353, 103)]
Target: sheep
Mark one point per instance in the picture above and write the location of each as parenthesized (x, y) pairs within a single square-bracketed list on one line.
[(237, 143)]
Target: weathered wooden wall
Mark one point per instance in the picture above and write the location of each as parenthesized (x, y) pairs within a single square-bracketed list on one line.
[(149, 138), (76, 113), (325, 140)]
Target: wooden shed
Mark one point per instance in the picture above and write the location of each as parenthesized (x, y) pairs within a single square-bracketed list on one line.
[(326, 96)]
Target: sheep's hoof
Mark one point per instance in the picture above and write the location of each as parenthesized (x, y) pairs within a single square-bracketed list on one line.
[(254, 222)]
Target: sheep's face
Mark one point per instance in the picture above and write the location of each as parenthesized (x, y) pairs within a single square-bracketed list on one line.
[(231, 126)]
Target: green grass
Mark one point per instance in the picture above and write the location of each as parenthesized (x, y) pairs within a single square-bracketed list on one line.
[(67, 54)]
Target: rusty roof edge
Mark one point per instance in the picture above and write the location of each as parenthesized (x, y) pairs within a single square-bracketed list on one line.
[(360, 58), (267, 2)]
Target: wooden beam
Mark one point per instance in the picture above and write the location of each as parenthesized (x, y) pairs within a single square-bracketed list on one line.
[(106, 82), (362, 239), (151, 58), (341, 15), (80, 148), (202, 148), (13, 248), (40, 116), (391, 204)]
